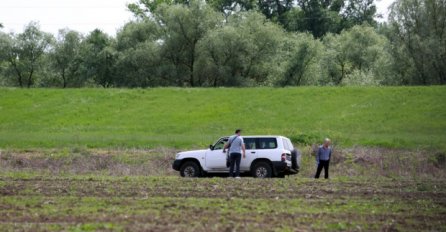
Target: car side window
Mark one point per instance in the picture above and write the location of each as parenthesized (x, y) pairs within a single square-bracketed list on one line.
[(267, 143), (220, 144), (250, 143)]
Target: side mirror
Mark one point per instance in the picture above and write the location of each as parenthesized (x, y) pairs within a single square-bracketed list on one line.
[(211, 147)]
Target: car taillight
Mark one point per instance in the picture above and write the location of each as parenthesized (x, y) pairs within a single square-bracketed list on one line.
[(283, 157)]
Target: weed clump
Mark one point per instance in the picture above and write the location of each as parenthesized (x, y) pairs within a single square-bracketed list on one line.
[(438, 159)]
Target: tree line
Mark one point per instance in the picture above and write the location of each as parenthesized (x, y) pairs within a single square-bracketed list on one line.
[(216, 43)]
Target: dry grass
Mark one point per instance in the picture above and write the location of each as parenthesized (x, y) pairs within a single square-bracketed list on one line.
[(83, 161), (385, 162), (350, 162)]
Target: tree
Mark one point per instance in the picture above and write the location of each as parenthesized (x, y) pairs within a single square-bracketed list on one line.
[(302, 55), (139, 59), (222, 57), (98, 58), (5, 46), (137, 32), (65, 55), (242, 52), (358, 51), (229, 7), (146, 8), (5, 50), (182, 27), (419, 40), (25, 52), (316, 16), (358, 12), (275, 9)]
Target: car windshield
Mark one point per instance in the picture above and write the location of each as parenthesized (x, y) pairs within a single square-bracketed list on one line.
[(220, 144)]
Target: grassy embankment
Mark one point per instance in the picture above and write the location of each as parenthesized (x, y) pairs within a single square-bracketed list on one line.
[(395, 117)]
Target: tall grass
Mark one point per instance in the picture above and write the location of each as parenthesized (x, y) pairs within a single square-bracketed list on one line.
[(358, 162), (398, 117)]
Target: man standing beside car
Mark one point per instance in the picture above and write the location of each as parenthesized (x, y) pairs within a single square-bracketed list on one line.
[(323, 156), (236, 150)]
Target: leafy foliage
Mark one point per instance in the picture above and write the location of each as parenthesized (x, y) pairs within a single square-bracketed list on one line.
[(301, 61), (418, 33), (359, 54), (239, 43), (24, 51), (65, 57), (183, 27)]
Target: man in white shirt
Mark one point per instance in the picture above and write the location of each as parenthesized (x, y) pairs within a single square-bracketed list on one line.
[(236, 150)]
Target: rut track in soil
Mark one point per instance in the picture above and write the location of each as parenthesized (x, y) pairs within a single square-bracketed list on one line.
[(250, 188)]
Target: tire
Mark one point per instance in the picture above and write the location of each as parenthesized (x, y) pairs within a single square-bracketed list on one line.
[(190, 169), (262, 170), (281, 175), (295, 159)]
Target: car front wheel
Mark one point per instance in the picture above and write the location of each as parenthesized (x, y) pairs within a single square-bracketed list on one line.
[(262, 170), (190, 169)]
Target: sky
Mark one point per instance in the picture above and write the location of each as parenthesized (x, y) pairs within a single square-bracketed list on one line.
[(80, 15)]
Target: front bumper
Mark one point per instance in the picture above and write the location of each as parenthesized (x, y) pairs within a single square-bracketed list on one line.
[(176, 165), (281, 167)]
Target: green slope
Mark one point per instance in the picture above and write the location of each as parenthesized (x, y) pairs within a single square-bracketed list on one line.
[(392, 117)]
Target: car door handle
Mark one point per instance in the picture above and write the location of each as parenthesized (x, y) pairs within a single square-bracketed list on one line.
[(253, 152)]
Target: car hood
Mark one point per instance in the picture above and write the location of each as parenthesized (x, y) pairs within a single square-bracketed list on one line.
[(193, 153)]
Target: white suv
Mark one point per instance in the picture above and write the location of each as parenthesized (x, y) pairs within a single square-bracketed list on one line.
[(266, 156)]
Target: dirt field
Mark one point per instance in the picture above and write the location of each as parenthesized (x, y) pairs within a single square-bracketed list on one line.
[(82, 190)]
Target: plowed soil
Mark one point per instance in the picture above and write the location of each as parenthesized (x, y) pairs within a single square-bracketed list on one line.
[(173, 203)]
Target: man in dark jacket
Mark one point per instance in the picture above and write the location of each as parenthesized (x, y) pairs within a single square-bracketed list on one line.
[(323, 158)]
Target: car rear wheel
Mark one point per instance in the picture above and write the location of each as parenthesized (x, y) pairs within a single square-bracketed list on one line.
[(190, 169), (262, 170)]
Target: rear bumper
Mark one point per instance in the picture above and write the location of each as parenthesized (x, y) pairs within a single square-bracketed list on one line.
[(176, 165), (281, 167)]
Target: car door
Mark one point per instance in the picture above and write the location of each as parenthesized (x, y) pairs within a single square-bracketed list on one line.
[(267, 148), (215, 158), (251, 153)]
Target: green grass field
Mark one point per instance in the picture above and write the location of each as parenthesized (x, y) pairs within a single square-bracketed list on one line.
[(394, 117)]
